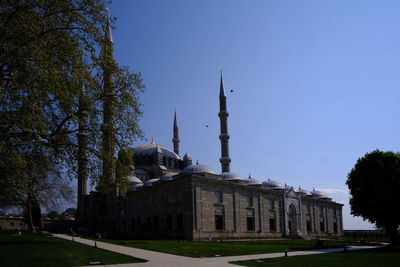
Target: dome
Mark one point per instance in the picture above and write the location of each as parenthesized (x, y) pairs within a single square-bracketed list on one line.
[(318, 194), (304, 192), (141, 171), (150, 182), (150, 149), (252, 181), (133, 180), (230, 176), (198, 168), (168, 176), (273, 184)]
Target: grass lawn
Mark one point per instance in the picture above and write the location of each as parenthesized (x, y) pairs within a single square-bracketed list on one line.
[(374, 257), (213, 249), (40, 250)]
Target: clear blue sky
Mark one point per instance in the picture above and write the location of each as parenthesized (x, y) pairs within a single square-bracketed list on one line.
[(316, 83)]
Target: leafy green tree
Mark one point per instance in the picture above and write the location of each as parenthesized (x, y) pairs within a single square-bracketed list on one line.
[(123, 168), (52, 215), (374, 183), (49, 50)]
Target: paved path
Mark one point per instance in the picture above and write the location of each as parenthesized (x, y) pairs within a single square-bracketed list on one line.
[(156, 259)]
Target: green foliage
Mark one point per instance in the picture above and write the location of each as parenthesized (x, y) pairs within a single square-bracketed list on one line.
[(374, 183), (49, 51), (123, 168), (52, 215)]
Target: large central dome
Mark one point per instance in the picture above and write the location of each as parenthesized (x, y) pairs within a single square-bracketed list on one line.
[(150, 149)]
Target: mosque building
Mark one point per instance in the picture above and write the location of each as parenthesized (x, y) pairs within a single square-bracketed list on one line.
[(172, 197)]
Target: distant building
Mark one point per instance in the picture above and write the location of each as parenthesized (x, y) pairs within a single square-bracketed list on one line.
[(10, 222), (171, 197)]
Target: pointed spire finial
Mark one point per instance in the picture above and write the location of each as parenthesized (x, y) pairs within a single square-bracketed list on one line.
[(108, 29), (175, 121), (152, 140), (221, 87)]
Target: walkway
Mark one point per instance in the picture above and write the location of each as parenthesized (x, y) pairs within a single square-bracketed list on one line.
[(156, 259)]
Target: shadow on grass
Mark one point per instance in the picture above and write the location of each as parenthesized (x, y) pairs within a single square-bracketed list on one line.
[(25, 242)]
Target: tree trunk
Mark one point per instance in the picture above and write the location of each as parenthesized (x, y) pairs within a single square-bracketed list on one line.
[(31, 225)]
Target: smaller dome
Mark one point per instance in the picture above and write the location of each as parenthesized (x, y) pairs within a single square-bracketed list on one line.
[(230, 176), (133, 180), (168, 177), (187, 156), (319, 194), (141, 171), (273, 184), (304, 192), (288, 187), (150, 182), (252, 181), (198, 168)]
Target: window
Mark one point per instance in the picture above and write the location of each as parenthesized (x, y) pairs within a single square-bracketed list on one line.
[(309, 226), (133, 224), (169, 222), (179, 222), (334, 212), (272, 221), (322, 226), (155, 223), (308, 208), (219, 196), (272, 203), (249, 200), (335, 228), (272, 224), (219, 222), (250, 223)]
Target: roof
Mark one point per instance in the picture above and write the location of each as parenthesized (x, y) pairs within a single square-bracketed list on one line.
[(133, 179), (168, 176), (229, 176), (273, 184), (198, 168), (150, 182), (252, 181), (150, 149)]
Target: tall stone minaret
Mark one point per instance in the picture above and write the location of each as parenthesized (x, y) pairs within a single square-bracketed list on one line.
[(175, 139), (108, 129), (82, 153), (224, 136)]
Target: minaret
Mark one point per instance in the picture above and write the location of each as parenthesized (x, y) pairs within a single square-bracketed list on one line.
[(175, 139), (224, 136), (108, 129), (82, 153)]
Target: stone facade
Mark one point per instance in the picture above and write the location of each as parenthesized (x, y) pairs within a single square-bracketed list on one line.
[(200, 206)]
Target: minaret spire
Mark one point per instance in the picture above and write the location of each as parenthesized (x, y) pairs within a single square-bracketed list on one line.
[(224, 136), (175, 139)]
